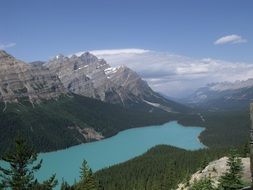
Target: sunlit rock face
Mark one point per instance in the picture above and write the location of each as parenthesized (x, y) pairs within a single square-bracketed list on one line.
[(92, 77), (19, 80), (84, 75)]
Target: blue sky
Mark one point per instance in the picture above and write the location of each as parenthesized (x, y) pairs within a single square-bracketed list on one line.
[(37, 30)]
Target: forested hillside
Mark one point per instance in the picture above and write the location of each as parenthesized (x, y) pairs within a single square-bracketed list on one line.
[(223, 128), (161, 168), (52, 125), (55, 124)]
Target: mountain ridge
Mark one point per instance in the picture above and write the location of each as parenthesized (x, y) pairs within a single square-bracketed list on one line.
[(62, 110), (223, 95), (19, 80), (84, 75)]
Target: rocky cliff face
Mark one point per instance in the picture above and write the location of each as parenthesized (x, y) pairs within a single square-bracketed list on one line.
[(19, 80), (92, 77), (84, 75)]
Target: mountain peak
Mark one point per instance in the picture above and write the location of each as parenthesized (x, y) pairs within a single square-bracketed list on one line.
[(4, 54), (59, 56), (87, 75), (83, 74), (88, 57)]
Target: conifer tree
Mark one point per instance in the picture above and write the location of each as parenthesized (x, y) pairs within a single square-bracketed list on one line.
[(20, 173), (66, 186), (203, 184), (84, 170), (88, 181), (232, 179)]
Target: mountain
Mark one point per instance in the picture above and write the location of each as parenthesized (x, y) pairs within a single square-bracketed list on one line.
[(72, 100), (69, 120), (19, 80), (89, 76), (84, 75), (223, 96)]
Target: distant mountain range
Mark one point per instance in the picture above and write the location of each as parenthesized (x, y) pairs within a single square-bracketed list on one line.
[(70, 100), (223, 96)]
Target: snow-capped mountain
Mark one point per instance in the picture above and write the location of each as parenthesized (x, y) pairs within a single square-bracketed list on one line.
[(71, 100), (84, 75), (224, 95)]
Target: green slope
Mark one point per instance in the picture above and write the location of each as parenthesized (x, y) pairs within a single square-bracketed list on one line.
[(48, 125), (161, 168), (223, 128)]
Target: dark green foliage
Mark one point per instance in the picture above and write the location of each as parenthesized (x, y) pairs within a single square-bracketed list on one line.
[(203, 184), (204, 162), (223, 129), (84, 170), (51, 125), (162, 167), (20, 173), (232, 179), (19, 176), (46, 185), (246, 150), (66, 186), (87, 179)]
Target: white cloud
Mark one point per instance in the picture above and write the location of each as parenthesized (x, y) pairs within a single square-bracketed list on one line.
[(192, 69), (5, 46), (119, 51), (230, 39), (177, 75), (106, 52)]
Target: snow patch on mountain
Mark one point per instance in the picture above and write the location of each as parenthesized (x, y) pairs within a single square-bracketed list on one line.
[(231, 85), (152, 103), (111, 70)]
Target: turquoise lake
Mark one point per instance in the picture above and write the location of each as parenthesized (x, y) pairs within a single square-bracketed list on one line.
[(119, 148)]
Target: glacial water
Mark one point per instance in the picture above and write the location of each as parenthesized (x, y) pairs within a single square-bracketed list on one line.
[(119, 148)]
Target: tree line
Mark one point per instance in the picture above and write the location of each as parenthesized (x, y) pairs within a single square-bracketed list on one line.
[(162, 167), (23, 164)]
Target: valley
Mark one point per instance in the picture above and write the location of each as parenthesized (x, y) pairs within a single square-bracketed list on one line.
[(117, 149), (51, 113), (126, 95), (76, 100)]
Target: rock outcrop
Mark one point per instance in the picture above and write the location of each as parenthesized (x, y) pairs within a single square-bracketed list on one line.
[(216, 169)]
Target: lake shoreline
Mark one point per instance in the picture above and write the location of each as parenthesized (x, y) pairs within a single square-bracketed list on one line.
[(92, 141), (127, 144)]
